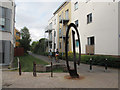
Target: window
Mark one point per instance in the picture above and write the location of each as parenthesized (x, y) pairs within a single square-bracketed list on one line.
[(76, 23), (5, 19), (60, 32), (90, 40), (50, 37), (67, 14), (54, 33), (76, 6), (60, 45), (55, 21), (66, 28), (77, 43), (17, 33), (54, 45), (60, 18), (89, 18), (50, 25), (50, 45), (17, 40)]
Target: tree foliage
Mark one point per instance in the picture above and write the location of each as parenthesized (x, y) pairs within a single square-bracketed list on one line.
[(25, 40), (40, 46)]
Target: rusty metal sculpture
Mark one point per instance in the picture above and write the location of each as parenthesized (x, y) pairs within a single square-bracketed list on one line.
[(73, 72)]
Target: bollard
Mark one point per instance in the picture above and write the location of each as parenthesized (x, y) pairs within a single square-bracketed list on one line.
[(90, 63), (51, 70), (106, 64), (34, 69), (19, 68)]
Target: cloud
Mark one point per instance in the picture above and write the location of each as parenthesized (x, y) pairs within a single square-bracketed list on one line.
[(35, 16)]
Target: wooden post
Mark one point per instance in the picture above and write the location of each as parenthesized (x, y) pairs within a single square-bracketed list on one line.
[(106, 64), (51, 70), (34, 69), (19, 68)]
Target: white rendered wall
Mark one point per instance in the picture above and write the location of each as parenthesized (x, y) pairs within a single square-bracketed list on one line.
[(104, 26)]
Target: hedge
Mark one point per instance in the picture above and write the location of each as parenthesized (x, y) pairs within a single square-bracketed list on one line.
[(112, 61)]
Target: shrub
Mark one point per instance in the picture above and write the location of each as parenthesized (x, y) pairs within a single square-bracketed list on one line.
[(96, 59)]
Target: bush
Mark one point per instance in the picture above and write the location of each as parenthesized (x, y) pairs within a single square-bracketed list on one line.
[(96, 59)]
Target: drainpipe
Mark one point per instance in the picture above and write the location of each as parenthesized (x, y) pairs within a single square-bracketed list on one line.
[(62, 36)]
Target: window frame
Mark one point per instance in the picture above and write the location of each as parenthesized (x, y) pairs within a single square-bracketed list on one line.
[(75, 4), (89, 40), (77, 23), (89, 18), (67, 14)]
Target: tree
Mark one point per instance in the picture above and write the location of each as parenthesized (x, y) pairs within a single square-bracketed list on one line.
[(40, 46), (33, 45), (25, 41)]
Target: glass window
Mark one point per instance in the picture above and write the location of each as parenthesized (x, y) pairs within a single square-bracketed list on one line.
[(55, 21), (90, 40), (54, 33), (89, 18), (50, 25), (67, 14), (76, 6), (5, 19), (50, 36), (60, 45), (17, 33), (77, 43), (2, 21), (66, 28), (60, 32), (60, 18), (76, 23)]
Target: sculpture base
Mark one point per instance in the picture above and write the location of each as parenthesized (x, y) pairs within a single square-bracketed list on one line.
[(73, 74), (71, 78)]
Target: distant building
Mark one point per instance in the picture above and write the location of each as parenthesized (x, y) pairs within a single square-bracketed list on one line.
[(7, 20), (17, 37), (64, 19), (51, 29)]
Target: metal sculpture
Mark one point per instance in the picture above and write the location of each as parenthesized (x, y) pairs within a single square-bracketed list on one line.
[(73, 72)]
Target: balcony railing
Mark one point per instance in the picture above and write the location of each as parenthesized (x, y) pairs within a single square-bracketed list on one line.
[(65, 21), (48, 29)]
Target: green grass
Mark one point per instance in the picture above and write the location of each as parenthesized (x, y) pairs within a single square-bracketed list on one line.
[(27, 62)]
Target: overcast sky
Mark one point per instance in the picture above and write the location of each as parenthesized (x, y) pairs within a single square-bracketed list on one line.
[(34, 15)]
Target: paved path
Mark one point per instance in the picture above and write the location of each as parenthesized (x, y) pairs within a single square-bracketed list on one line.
[(95, 79)]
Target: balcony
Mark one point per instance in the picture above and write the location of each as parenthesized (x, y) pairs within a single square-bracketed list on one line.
[(50, 40), (65, 21), (90, 49), (48, 29)]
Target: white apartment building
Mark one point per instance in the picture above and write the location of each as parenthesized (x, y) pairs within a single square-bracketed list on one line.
[(7, 20), (52, 33), (99, 26)]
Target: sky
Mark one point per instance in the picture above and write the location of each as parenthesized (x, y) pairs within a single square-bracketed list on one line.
[(34, 14)]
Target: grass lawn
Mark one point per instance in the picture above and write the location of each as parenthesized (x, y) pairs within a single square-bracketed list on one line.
[(27, 62)]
